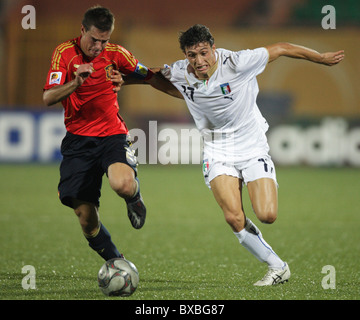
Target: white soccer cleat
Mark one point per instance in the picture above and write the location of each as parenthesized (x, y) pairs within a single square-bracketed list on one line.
[(275, 276)]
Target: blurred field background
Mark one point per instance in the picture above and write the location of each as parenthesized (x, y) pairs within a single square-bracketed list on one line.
[(186, 251)]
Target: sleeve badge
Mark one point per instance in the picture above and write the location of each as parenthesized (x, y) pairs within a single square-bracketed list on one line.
[(55, 77)]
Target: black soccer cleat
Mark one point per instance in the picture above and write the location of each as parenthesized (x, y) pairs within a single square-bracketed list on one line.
[(136, 211)]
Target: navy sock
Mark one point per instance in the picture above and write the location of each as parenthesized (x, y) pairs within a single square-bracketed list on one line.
[(103, 245)]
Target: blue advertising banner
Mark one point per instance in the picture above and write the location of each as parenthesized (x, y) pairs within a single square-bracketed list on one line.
[(31, 136), (28, 136)]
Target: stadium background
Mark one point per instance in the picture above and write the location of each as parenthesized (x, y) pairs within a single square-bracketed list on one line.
[(319, 106), (315, 108)]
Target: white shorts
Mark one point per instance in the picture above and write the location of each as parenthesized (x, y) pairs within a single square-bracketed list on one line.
[(247, 171)]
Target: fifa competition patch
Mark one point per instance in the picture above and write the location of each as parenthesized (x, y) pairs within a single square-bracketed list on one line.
[(141, 70), (55, 78)]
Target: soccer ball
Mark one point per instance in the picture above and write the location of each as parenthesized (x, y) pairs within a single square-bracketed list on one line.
[(118, 277)]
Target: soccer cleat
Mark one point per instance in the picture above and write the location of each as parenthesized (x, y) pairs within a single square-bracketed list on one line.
[(136, 211), (275, 276)]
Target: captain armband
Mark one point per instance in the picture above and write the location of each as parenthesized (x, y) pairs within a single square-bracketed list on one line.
[(142, 72)]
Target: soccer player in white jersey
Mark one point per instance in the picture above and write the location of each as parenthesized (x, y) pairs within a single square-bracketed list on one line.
[(220, 90)]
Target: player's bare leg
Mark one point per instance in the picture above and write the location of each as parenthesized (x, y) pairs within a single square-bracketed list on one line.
[(264, 199), (88, 216), (227, 191), (94, 231), (123, 181)]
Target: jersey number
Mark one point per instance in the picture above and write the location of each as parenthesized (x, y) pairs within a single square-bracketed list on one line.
[(265, 164), (189, 91)]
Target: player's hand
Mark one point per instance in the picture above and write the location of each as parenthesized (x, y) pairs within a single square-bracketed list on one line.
[(83, 72), (332, 58), (117, 80)]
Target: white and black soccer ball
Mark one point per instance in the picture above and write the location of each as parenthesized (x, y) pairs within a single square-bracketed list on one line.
[(118, 277)]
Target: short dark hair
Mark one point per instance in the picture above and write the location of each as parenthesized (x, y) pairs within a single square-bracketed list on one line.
[(196, 34), (99, 17)]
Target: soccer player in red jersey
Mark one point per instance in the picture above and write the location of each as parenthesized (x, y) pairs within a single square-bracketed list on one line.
[(85, 77)]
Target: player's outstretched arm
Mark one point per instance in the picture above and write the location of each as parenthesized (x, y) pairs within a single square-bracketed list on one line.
[(300, 52), (157, 81)]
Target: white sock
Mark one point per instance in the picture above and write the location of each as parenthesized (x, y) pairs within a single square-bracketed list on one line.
[(251, 238)]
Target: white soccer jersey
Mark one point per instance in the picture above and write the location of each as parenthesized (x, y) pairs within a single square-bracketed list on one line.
[(224, 106)]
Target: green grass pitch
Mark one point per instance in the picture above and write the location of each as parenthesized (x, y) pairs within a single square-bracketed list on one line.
[(185, 251)]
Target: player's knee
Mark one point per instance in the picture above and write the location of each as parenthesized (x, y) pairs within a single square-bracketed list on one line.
[(236, 220), (124, 187), (268, 216)]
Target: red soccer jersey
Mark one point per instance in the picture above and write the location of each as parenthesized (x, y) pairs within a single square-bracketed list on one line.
[(92, 109)]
